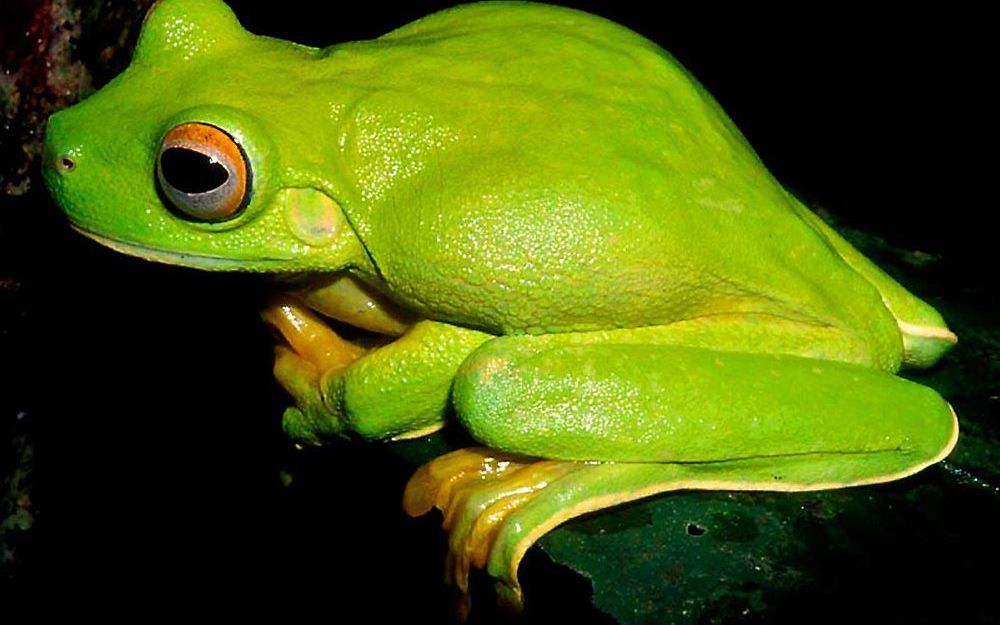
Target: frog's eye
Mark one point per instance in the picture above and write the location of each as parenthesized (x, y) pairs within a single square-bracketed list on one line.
[(203, 172)]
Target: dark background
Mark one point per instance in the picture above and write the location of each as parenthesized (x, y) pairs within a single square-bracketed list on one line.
[(146, 390)]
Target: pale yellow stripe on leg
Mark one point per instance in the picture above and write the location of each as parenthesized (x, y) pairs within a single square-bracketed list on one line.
[(931, 332)]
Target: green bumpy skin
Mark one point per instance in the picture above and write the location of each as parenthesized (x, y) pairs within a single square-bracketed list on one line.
[(611, 273)]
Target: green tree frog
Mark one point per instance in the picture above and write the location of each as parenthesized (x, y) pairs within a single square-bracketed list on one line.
[(525, 219)]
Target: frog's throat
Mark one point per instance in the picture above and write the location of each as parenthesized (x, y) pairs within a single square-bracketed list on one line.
[(186, 259)]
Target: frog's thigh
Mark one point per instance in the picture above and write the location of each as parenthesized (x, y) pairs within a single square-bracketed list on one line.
[(674, 403)]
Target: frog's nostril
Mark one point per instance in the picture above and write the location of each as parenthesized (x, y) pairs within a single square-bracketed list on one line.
[(64, 163)]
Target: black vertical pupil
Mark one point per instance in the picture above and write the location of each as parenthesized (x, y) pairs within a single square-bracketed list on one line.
[(190, 171)]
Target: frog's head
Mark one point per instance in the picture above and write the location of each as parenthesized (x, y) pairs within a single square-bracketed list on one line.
[(178, 160)]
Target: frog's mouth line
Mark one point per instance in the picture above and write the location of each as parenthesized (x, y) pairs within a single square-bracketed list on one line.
[(185, 259)]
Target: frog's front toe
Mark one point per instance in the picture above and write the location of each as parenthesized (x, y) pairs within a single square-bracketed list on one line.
[(310, 354), (311, 418)]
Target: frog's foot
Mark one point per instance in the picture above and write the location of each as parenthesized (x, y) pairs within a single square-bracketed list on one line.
[(480, 491), (311, 352), (496, 506)]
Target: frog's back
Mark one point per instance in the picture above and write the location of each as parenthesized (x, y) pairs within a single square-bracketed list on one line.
[(528, 168)]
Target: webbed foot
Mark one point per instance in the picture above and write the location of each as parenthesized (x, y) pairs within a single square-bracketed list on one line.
[(496, 506), (479, 491)]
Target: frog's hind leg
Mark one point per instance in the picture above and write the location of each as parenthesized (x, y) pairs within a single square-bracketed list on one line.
[(618, 420)]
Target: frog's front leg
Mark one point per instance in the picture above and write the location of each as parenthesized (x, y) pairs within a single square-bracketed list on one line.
[(626, 414), (394, 390)]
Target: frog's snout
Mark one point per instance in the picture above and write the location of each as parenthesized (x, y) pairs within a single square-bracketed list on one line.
[(62, 159), (60, 156)]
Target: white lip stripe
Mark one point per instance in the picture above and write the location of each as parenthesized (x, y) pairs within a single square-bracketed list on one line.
[(183, 259), (934, 332)]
